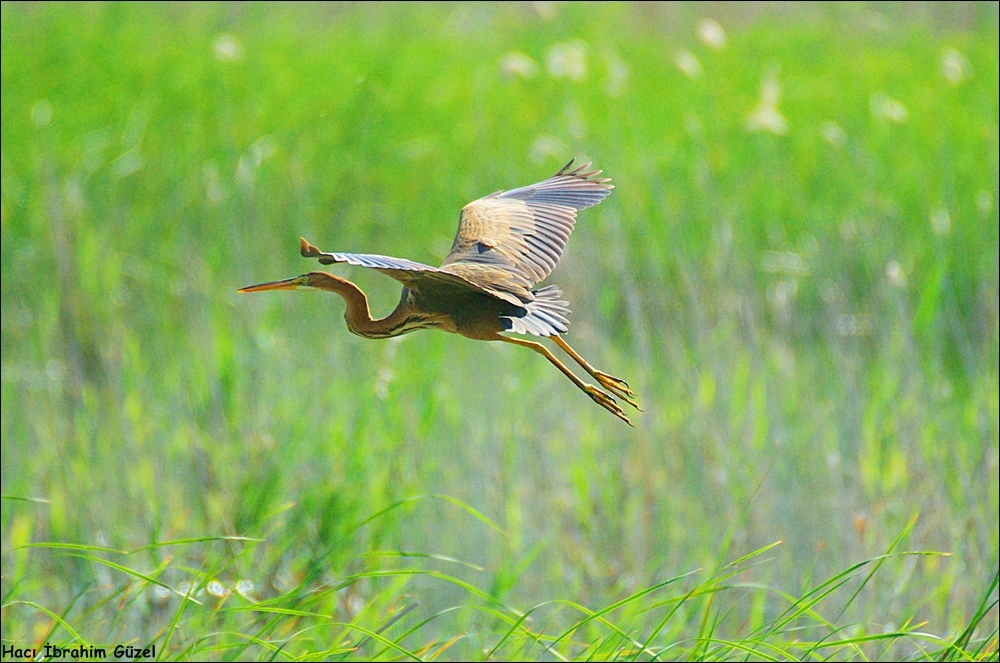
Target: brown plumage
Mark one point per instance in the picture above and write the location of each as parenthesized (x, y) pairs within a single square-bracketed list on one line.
[(506, 243)]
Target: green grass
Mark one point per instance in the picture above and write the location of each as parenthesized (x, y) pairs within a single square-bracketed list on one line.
[(810, 319)]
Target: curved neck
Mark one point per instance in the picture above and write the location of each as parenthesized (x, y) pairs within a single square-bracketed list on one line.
[(358, 316)]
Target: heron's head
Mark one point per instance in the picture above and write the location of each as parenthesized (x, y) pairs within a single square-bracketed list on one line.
[(310, 280)]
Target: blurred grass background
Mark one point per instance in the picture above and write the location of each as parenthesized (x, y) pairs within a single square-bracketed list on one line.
[(797, 271)]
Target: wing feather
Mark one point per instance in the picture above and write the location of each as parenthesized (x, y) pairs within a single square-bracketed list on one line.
[(524, 231), (407, 272), (506, 243), (547, 315)]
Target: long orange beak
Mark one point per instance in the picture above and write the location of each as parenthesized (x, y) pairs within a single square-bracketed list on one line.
[(284, 284)]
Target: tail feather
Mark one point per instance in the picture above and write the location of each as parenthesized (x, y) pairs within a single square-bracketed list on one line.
[(547, 315)]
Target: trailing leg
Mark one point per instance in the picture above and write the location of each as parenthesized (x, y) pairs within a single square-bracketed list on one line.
[(598, 396), (616, 386)]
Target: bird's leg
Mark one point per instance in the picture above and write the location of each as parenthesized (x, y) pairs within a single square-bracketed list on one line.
[(604, 400), (616, 386)]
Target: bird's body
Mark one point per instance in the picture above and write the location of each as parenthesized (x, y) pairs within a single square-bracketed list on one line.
[(506, 243)]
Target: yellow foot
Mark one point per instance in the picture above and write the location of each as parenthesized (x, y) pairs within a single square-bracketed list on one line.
[(607, 402), (618, 387)]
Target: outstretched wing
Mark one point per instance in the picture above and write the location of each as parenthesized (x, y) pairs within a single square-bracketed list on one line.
[(523, 232), (409, 273)]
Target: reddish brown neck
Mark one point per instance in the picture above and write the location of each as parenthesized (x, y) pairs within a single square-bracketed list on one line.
[(358, 316)]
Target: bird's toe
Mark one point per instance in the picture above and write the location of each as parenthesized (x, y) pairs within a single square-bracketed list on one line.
[(608, 403), (618, 387)]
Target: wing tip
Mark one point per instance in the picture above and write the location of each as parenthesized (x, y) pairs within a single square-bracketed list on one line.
[(589, 177), (306, 249)]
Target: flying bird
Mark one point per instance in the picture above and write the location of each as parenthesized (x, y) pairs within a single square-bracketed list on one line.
[(506, 243)]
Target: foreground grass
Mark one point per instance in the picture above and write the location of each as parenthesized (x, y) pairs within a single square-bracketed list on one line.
[(808, 310), (682, 617)]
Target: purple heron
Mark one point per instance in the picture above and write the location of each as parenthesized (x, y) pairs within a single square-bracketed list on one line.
[(506, 243)]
